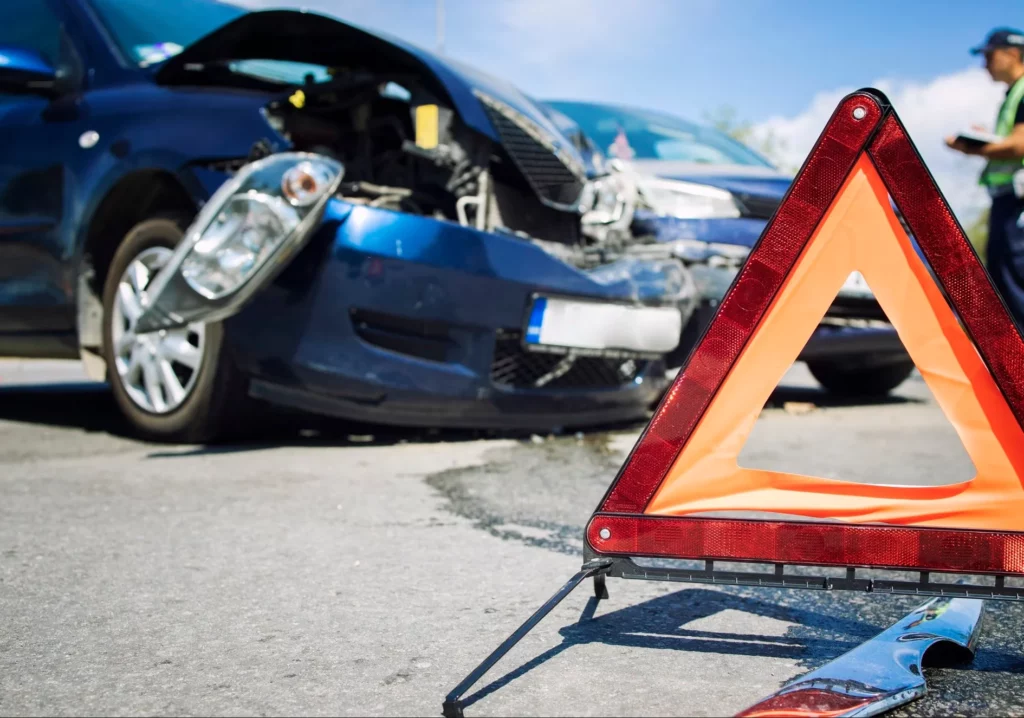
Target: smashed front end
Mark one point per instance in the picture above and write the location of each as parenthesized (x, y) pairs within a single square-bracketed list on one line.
[(429, 249)]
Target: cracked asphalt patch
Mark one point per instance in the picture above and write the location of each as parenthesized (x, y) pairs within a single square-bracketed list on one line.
[(350, 570), (570, 473)]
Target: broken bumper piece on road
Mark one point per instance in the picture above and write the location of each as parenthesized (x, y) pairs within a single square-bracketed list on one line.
[(885, 672)]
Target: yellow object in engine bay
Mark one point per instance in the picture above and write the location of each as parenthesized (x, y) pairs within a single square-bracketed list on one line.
[(427, 127)]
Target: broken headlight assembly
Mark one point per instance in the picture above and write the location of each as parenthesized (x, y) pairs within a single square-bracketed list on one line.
[(608, 203), (687, 200), (245, 234)]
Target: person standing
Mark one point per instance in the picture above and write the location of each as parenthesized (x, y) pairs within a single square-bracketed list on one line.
[(1003, 175)]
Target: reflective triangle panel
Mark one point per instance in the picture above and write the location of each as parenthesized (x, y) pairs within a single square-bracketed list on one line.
[(836, 219)]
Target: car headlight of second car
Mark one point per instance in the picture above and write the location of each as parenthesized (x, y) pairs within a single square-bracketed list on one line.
[(687, 200)]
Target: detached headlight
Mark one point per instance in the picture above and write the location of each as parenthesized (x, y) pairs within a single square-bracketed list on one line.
[(239, 239), (251, 217), (244, 235), (687, 200)]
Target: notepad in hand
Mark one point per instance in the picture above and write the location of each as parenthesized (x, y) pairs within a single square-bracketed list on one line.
[(978, 139)]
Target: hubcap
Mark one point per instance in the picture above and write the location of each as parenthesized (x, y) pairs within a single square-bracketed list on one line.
[(158, 370)]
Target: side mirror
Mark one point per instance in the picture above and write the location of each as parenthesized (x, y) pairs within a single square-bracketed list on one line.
[(24, 71)]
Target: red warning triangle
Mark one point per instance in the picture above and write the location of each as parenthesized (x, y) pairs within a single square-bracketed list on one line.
[(835, 219)]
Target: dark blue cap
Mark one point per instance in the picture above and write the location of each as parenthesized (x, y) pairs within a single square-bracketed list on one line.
[(1001, 37)]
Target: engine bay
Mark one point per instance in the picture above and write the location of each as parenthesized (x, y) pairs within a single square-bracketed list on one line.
[(405, 148), (369, 123)]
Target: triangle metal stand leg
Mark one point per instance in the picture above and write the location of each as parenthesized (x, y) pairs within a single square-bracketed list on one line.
[(452, 707)]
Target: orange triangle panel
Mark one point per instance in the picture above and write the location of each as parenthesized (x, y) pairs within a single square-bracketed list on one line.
[(837, 218)]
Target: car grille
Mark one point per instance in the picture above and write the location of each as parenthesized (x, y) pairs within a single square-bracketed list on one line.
[(758, 207), (551, 173), (514, 367)]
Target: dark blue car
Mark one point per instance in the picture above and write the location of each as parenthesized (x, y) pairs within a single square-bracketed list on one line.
[(211, 206), (710, 197)]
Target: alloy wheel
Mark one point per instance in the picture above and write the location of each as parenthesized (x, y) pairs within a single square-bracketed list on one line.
[(158, 370)]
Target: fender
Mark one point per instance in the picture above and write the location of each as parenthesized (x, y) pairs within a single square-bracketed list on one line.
[(168, 130)]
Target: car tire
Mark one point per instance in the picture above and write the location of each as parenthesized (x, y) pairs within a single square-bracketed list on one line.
[(214, 400), (872, 381)]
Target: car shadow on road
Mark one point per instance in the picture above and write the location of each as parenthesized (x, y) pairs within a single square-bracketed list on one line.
[(819, 397), (660, 623), (319, 432), (90, 407)]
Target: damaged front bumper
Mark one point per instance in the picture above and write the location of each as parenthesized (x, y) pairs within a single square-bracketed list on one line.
[(376, 315)]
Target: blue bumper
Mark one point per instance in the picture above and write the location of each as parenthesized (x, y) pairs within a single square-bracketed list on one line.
[(393, 318)]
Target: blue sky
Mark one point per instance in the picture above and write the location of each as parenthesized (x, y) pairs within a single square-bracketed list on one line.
[(781, 65), (689, 56)]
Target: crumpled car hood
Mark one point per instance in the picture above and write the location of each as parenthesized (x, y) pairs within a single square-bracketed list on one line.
[(307, 37)]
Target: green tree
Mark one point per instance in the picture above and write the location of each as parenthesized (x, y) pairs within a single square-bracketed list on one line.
[(725, 119), (977, 233)]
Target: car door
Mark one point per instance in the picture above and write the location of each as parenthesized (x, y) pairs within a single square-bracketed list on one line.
[(37, 133)]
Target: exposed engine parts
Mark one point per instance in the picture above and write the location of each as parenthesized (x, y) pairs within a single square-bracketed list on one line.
[(404, 149), (398, 145)]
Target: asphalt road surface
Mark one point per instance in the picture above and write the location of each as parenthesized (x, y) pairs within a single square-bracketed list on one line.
[(328, 569)]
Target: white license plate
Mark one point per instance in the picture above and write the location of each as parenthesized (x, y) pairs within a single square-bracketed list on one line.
[(598, 326), (856, 286)]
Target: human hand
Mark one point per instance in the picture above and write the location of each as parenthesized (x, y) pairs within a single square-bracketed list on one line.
[(954, 143)]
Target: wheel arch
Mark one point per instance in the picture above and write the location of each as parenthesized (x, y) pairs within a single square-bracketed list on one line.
[(134, 197)]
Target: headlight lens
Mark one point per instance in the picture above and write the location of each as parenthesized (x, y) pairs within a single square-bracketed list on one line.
[(251, 216), (244, 235), (687, 200), (240, 238)]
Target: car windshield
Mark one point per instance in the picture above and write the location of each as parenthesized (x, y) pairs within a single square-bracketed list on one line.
[(645, 135), (150, 31)]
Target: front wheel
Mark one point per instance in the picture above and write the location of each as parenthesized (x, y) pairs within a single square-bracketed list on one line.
[(173, 385), (871, 381)]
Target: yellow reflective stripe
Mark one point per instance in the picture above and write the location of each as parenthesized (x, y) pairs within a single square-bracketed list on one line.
[(1001, 172), (1008, 111)]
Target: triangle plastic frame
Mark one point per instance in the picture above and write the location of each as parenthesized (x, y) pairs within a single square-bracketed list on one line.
[(864, 127)]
